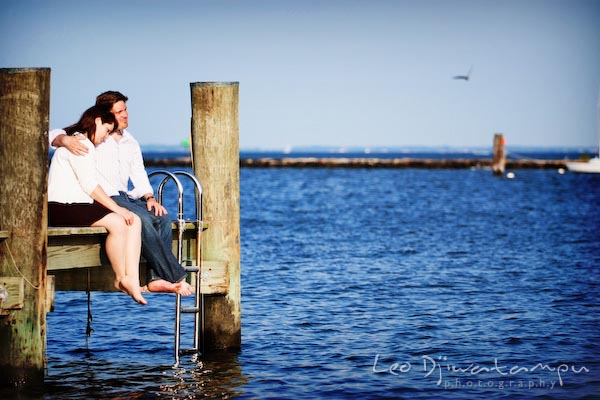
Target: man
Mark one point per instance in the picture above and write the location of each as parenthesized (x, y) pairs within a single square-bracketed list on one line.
[(118, 161)]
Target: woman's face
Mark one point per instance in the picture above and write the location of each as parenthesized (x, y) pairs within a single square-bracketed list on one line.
[(102, 131)]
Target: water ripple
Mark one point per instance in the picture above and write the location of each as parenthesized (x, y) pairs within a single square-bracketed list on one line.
[(370, 284)]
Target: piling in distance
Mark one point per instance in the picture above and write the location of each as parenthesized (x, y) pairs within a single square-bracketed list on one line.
[(215, 154), (24, 121), (499, 160)]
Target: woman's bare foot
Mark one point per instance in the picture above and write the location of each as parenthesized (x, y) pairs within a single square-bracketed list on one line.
[(119, 287), (133, 289)]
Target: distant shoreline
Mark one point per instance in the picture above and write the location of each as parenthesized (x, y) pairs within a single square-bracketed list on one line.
[(343, 162)]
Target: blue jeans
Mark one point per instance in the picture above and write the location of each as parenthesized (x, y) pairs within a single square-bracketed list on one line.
[(156, 240)]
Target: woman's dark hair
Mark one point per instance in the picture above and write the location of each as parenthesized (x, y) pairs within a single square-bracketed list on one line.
[(87, 122)]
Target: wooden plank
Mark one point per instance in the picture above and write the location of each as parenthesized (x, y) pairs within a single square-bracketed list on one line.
[(70, 248), (90, 230), (3, 235), (59, 231), (214, 281), (76, 256), (50, 293), (80, 251), (15, 286), (214, 277), (100, 279)]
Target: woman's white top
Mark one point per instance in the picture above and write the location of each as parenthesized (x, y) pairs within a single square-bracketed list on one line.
[(118, 163), (72, 178)]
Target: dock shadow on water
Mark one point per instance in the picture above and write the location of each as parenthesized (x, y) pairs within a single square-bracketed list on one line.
[(373, 284), (129, 354)]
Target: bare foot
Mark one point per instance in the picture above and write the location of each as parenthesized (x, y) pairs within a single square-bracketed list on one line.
[(162, 286), (118, 286), (133, 289), (184, 288)]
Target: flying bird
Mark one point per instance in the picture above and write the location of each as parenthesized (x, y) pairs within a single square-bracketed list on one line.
[(464, 77)]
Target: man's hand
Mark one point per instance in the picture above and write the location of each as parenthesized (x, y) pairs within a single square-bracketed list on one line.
[(73, 143), (151, 203)]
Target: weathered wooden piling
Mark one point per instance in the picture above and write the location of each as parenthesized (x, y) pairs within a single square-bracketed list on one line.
[(215, 153), (24, 111), (499, 160)]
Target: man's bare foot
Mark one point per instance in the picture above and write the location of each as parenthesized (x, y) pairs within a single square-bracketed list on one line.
[(133, 289), (162, 286), (184, 288)]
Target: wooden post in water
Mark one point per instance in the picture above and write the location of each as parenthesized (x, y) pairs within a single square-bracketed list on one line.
[(24, 121), (499, 161), (215, 154)]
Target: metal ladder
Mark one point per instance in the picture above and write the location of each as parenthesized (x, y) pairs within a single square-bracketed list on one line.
[(198, 308)]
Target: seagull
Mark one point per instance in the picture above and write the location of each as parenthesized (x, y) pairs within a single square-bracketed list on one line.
[(465, 77)]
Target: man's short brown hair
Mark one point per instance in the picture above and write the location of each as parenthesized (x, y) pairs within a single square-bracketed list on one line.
[(109, 98)]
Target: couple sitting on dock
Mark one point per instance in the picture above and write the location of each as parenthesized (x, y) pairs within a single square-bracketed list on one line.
[(88, 183)]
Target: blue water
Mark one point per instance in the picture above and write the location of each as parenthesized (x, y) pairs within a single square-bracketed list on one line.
[(373, 284)]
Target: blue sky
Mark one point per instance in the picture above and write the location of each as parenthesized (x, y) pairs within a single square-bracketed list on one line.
[(330, 73)]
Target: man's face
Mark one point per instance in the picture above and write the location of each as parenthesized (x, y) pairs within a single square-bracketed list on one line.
[(119, 109)]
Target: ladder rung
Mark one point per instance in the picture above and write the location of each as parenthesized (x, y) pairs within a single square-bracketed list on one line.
[(192, 268), (188, 351), (190, 310)]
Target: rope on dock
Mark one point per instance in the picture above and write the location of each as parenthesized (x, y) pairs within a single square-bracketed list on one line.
[(88, 328), (14, 265)]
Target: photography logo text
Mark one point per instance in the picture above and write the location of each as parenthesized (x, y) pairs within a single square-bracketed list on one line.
[(493, 374)]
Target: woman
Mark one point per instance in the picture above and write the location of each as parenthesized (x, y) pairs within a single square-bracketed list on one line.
[(76, 199)]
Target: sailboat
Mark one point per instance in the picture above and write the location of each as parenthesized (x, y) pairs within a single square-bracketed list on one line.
[(592, 166)]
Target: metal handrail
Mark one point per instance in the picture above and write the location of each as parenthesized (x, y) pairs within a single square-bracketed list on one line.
[(199, 297), (180, 219)]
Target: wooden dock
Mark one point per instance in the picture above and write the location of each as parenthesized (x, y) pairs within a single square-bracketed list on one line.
[(36, 260), (77, 260)]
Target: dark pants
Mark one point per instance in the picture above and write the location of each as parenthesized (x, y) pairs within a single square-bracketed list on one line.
[(156, 241)]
